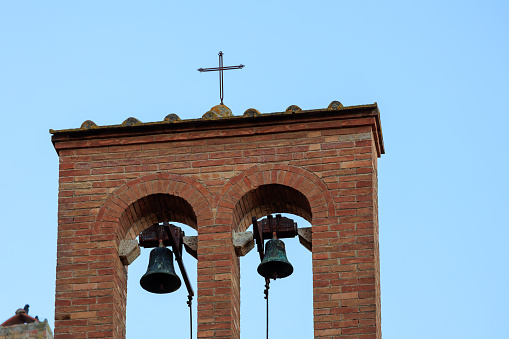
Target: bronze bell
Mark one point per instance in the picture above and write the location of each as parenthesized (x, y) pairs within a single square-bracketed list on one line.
[(275, 264), (160, 277)]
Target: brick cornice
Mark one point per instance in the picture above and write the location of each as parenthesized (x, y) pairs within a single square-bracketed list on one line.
[(320, 119)]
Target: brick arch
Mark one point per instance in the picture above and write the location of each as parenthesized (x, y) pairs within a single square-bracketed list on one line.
[(267, 199), (156, 208), (139, 203), (304, 194)]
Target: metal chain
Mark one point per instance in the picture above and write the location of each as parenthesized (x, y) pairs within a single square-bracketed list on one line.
[(189, 302), (266, 292)]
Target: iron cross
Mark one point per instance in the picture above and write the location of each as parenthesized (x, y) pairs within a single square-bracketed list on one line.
[(220, 69)]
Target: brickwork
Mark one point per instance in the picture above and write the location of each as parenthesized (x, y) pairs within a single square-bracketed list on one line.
[(215, 176)]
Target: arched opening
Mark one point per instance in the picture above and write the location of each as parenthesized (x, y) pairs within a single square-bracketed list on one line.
[(267, 199), (159, 315), (291, 298)]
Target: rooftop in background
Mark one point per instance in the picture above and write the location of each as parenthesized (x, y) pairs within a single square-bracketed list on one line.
[(21, 325)]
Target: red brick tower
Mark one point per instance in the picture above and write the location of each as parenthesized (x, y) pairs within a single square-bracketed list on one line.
[(214, 174)]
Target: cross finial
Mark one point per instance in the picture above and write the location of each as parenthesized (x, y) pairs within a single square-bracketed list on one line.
[(220, 69)]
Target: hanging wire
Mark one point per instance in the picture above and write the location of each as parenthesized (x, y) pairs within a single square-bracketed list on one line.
[(189, 303), (266, 292)]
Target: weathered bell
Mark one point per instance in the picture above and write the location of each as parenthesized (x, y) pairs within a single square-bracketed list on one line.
[(160, 276), (275, 264)]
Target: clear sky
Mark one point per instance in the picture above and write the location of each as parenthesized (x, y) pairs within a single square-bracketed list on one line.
[(438, 70)]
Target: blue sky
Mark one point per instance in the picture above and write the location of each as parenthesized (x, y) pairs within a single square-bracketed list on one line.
[(438, 70)]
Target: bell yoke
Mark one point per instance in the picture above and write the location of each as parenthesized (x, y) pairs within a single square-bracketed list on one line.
[(274, 263)]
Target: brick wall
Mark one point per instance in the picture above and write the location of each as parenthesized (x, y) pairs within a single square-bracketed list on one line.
[(214, 176)]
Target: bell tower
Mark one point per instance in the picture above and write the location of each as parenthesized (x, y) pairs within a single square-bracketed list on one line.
[(216, 174)]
